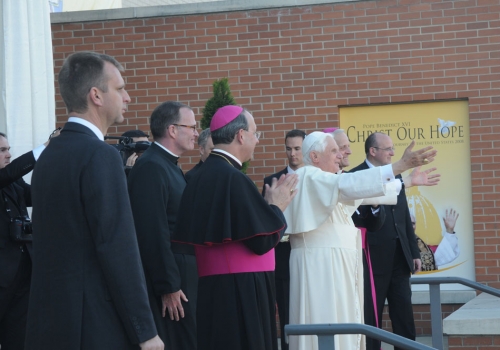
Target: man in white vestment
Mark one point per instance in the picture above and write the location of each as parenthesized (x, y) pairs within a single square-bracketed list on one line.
[(326, 269)]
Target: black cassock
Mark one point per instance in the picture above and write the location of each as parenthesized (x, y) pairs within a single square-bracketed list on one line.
[(220, 205), (155, 186)]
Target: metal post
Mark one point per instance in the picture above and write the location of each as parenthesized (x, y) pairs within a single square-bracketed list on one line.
[(326, 342), (436, 316)]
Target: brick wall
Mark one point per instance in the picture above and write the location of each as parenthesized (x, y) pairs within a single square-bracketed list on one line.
[(422, 317), (293, 67), (474, 342)]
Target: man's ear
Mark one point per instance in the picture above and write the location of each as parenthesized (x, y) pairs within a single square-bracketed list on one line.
[(171, 131), (239, 136), (371, 151), (314, 157), (95, 96)]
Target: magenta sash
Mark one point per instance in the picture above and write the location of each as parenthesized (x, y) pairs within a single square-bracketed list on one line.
[(231, 257)]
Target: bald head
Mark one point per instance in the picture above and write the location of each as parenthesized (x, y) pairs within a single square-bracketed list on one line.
[(379, 149)]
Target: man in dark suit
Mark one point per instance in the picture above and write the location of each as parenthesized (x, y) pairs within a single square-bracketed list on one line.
[(156, 184), (15, 259), (394, 253), (15, 274), (293, 147), (205, 145), (88, 287)]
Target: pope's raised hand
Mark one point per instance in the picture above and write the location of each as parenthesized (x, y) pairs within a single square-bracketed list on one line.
[(412, 159)]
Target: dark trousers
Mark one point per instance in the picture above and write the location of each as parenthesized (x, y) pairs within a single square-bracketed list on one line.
[(282, 284), (396, 288), (283, 300), (14, 307)]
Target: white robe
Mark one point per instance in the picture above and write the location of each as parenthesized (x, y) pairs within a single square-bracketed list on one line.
[(326, 268), (448, 250)]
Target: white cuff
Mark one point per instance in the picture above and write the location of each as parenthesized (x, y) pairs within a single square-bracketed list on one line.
[(37, 151), (375, 211), (387, 173)]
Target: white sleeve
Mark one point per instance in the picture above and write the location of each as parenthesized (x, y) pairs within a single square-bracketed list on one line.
[(388, 173), (37, 151), (364, 184), (392, 188), (448, 250)]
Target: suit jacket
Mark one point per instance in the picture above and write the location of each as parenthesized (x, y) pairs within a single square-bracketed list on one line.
[(16, 169), (364, 218), (282, 250), (18, 197), (268, 180), (397, 225), (88, 287)]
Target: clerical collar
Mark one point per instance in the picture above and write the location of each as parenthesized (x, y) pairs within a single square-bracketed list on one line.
[(228, 154), (89, 125), (370, 165), (228, 157), (166, 149)]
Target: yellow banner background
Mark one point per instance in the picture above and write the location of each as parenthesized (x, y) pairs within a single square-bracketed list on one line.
[(445, 126)]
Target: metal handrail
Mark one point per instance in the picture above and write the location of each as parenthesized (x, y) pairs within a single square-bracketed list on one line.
[(460, 280), (327, 332), (435, 301)]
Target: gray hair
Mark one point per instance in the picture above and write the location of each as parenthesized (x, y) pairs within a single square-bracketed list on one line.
[(337, 132), (203, 137), (314, 142), (226, 134)]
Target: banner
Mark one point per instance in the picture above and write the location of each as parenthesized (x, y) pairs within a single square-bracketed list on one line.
[(445, 126)]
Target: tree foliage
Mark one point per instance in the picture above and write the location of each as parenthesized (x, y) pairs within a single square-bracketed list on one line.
[(222, 97)]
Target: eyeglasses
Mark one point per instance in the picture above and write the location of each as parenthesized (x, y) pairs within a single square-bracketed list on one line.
[(388, 149), (256, 133), (192, 127)]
